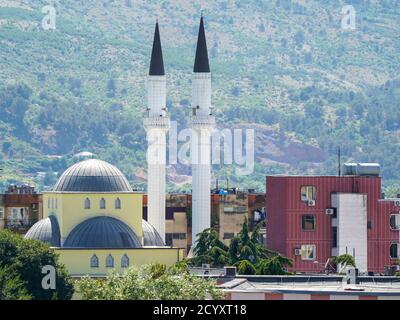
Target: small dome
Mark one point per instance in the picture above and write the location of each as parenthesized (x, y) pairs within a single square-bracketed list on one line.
[(46, 230), (92, 176), (151, 238), (102, 232)]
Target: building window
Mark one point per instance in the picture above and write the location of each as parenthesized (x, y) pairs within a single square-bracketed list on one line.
[(48, 203), (94, 261), (118, 203), (102, 203), (394, 251), (125, 261), (110, 261), (87, 203), (395, 222), (56, 203), (1, 213), (308, 252), (308, 223), (229, 236), (308, 193), (179, 236), (168, 239)]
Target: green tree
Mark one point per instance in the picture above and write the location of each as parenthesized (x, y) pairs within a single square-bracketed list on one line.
[(344, 260), (26, 258), (11, 286), (149, 283)]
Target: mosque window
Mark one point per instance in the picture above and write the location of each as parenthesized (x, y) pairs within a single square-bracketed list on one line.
[(125, 261), (87, 203), (118, 203), (94, 261), (110, 261), (102, 203)]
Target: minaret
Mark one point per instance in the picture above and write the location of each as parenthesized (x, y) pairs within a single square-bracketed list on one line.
[(157, 124), (202, 123)]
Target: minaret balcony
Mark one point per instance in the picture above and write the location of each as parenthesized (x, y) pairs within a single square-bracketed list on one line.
[(202, 120), (157, 122)]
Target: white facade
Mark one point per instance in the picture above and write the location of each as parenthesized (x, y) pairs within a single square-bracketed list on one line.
[(157, 125), (352, 227)]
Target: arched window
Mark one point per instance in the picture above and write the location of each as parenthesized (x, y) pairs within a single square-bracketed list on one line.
[(110, 261), (87, 203), (118, 203), (94, 261), (125, 261), (102, 203)]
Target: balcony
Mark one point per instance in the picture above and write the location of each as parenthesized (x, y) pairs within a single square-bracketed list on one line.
[(19, 225)]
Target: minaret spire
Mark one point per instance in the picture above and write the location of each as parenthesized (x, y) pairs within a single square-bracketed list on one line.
[(201, 63), (157, 61)]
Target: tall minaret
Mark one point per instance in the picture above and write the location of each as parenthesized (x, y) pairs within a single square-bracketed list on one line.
[(202, 123), (157, 124)]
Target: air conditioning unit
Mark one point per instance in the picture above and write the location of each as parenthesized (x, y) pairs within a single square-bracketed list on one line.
[(330, 212), (311, 203), (297, 252), (205, 266), (397, 203)]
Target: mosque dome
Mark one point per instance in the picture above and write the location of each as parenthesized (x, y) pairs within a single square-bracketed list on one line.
[(102, 232), (92, 176), (151, 238), (46, 230)]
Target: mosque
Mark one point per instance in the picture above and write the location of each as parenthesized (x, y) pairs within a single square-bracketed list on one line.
[(93, 218)]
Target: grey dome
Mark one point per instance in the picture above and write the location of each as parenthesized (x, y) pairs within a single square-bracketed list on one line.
[(151, 238), (92, 176), (46, 230), (102, 232)]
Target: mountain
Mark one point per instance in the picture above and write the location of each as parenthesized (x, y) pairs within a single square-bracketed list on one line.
[(285, 68)]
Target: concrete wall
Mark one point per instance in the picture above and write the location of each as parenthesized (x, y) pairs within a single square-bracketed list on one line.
[(352, 226)]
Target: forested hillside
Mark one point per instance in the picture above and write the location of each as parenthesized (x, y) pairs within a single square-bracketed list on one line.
[(283, 67)]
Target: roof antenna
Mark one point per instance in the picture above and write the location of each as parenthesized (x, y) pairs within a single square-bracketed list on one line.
[(340, 162)]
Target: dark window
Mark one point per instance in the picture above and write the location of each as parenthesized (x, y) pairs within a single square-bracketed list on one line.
[(110, 261), (118, 203), (94, 261), (125, 261), (394, 251), (335, 237), (102, 203), (369, 225), (87, 203), (168, 239), (229, 236), (179, 236), (395, 221), (308, 223)]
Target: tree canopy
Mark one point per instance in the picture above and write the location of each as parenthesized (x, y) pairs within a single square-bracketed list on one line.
[(150, 282), (21, 263), (245, 251)]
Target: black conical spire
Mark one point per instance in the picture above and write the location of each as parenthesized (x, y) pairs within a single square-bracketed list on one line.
[(201, 63), (157, 61)]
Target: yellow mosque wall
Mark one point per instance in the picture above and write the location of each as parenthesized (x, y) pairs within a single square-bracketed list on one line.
[(69, 208), (77, 261)]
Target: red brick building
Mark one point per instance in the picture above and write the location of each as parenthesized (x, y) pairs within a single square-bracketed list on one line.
[(311, 219)]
